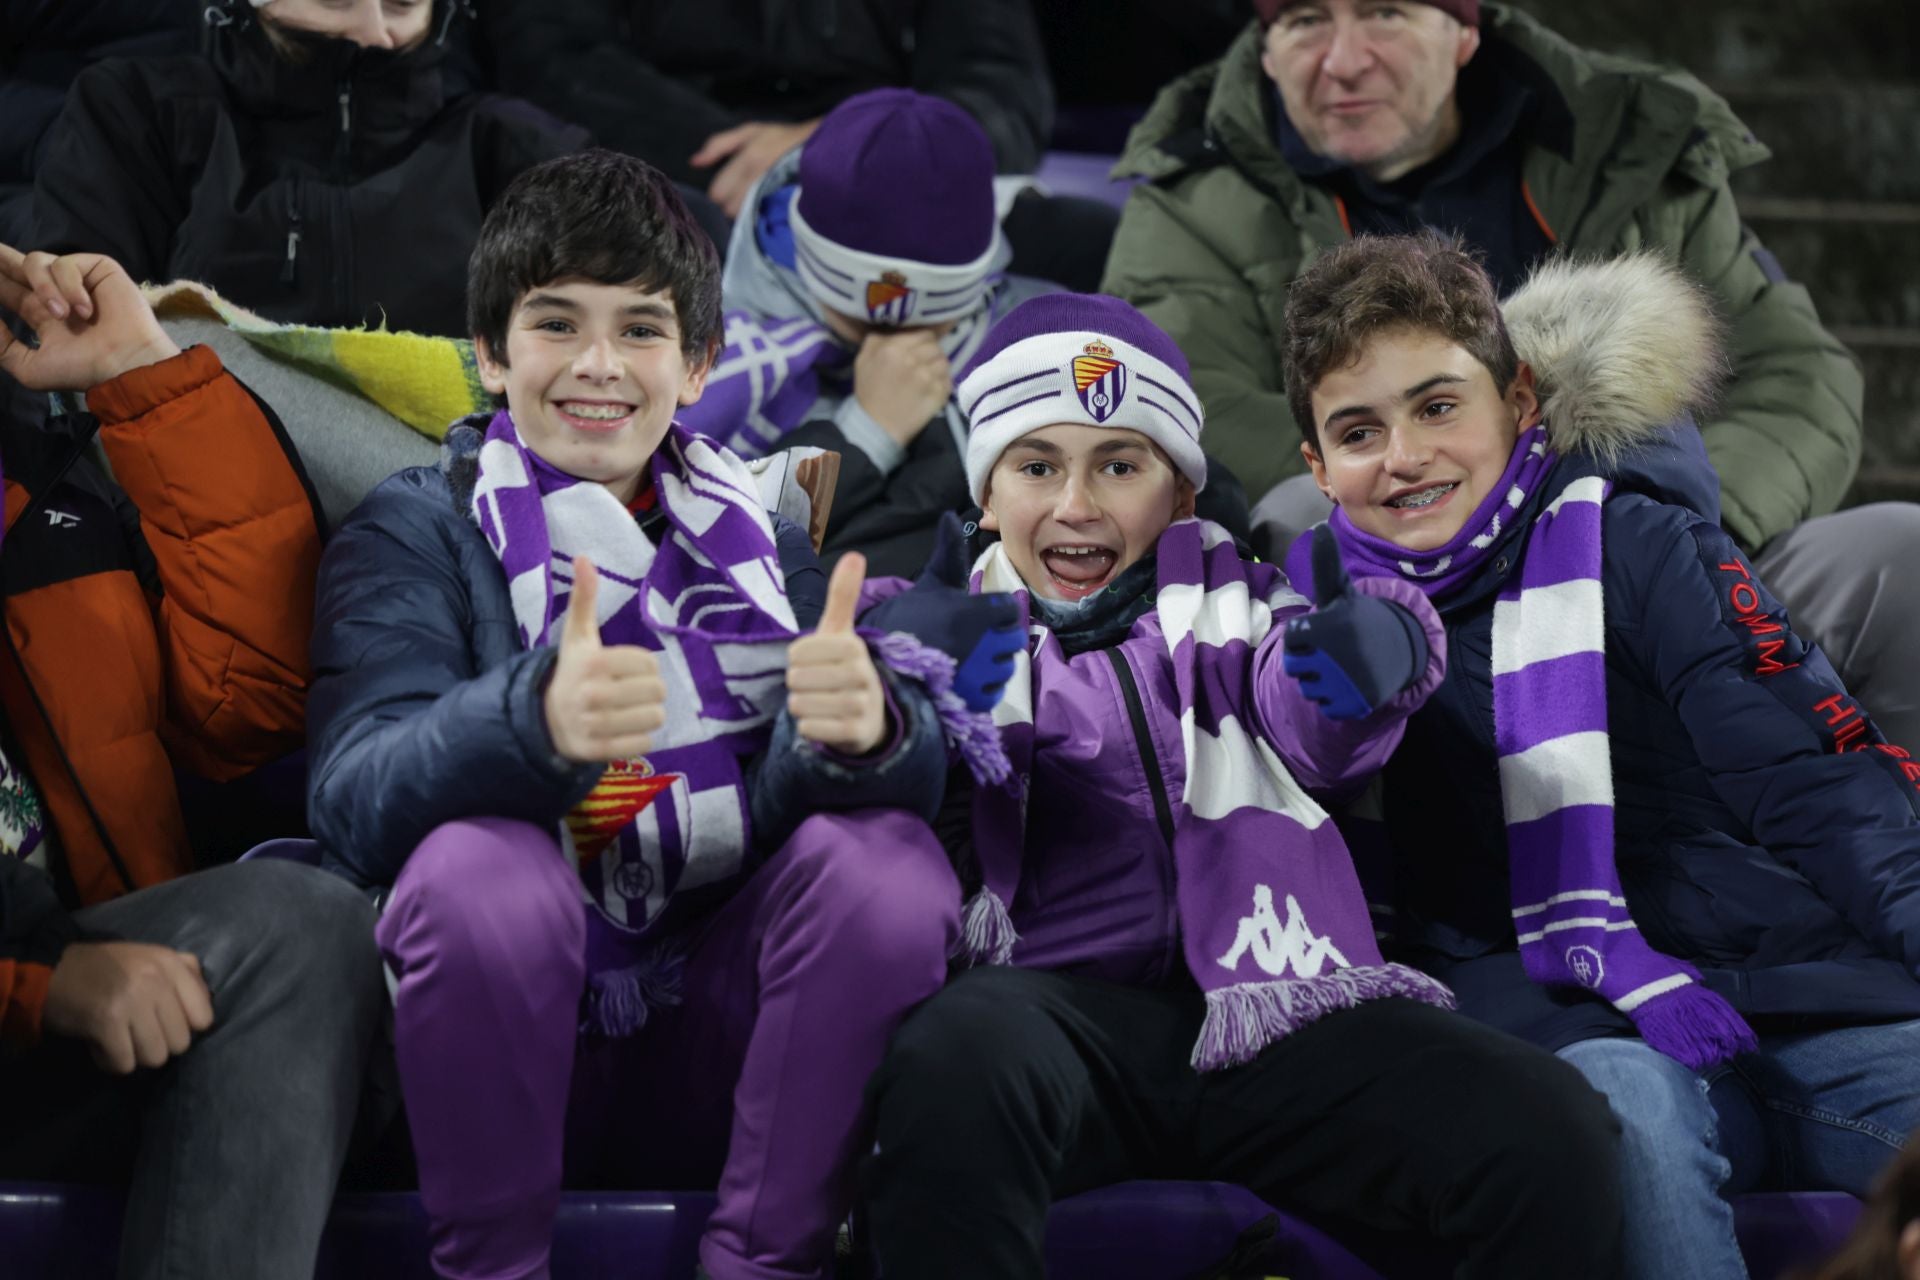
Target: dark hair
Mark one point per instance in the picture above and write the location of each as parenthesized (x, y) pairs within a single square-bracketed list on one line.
[(1374, 284), (603, 216)]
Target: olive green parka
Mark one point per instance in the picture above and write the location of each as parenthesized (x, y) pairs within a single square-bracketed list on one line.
[(1622, 155)]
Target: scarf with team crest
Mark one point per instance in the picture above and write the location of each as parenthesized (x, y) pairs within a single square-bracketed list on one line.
[(711, 602), (1273, 924)]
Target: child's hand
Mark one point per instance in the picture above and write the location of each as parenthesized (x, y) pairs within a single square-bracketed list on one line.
[(1353, 652), (833, 688), (604, 701), (902, 380), (135, 1004), (982, 633), (89, 317)]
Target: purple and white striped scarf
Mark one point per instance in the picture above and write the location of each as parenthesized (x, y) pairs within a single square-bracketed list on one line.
[(765, 381), (1273, 924), (1556, 773), (710, 601)]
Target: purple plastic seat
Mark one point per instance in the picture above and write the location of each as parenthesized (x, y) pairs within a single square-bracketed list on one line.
[(1135, 1231), (1157, 1230), (641, 1235), (1074, 173)]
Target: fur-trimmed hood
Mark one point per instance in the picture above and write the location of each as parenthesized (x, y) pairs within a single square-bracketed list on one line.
[(1621, 350)]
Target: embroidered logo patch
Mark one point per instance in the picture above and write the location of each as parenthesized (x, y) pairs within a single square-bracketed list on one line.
[(627, 787), (1584, 963), (1100, 380), (889, 299)]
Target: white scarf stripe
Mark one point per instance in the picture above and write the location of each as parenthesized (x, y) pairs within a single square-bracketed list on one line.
[(1558, 774), (1575, 895), (1547, 623), (1583, 922), (1640, 995)]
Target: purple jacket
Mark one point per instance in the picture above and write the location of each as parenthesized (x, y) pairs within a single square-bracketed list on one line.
[(1097, 892)]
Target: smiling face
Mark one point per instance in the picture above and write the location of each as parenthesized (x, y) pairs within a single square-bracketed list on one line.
[(372, 24), (593, 374), (1370, 83), (1074, 505), (1413, 435)]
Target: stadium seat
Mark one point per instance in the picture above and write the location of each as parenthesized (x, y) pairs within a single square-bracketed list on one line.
[(1136, 1231), (1075, 173)]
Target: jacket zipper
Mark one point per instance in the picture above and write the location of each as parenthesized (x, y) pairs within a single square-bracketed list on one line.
[(1136, 712), (290, 270), (343, 152)]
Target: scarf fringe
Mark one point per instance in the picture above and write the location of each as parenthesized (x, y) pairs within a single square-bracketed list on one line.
[(987, 935), (619, 1001), (1245, 1018), (1695, 1027), (972, 733)]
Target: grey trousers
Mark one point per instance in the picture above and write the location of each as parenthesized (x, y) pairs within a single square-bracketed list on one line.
[(1850, 581), (234, 1147)]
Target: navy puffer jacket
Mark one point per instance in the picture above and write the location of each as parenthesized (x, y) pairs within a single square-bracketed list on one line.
[(425, 709), (1763, 829)]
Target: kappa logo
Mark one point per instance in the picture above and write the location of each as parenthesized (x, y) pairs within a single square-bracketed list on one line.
[(62, 520), (1100, 380), (889, 299), (1278, 947), (1585, 964)]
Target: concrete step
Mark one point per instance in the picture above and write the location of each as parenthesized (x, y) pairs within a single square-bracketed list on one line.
[(1832, 139), (1891, 485), (1891, 362), (1728, 40), (1860, 259)]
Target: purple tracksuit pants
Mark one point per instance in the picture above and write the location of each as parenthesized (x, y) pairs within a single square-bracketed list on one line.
[(791, 990)]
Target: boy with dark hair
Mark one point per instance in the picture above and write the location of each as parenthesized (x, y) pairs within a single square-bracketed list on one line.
[(1177, 974), (576, 694), (1640, 822)]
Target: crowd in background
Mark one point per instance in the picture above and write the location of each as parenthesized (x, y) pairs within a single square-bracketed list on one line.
[(840, 263)]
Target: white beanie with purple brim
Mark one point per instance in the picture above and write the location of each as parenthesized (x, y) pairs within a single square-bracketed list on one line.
[(1078, 358)]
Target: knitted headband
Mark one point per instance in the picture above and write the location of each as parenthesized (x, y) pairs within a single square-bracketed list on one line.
[(1078, 358), (1466, 11), (888, 290), (895, 221)]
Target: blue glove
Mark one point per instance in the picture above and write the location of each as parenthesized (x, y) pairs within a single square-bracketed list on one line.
[(980, 633), (1353, 652)]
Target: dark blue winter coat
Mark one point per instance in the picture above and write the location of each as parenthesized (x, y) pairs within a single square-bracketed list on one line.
[(1763, 832), (425, 709)]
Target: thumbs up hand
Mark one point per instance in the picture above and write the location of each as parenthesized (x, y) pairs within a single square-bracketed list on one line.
[(1353, 652), (833, 688), (604, 701), (980, 633)]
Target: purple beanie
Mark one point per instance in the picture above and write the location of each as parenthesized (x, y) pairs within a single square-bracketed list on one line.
[(1080, 358), (899, 174), (895, 220)]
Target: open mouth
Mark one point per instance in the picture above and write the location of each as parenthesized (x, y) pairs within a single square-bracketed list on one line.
[(1424, 499), (596, 417), (1080, 570)]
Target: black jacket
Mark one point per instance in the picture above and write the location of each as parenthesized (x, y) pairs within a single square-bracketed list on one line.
[(344, 190), (44, 44), (656, 78)]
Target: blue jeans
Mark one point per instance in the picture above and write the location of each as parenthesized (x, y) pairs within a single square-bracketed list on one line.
[(1819, 1111)]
